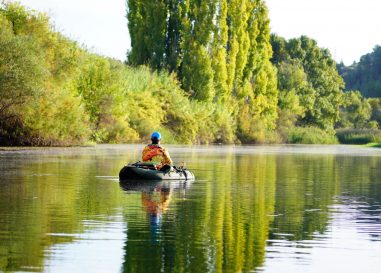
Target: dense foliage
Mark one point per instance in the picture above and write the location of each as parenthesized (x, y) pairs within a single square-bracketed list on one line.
[(362, 108), (311, 98), (37, 103), (358, 136), (52, 92), (364, 75), (201, 72), (356, 112), (220, 51), (309, 84)]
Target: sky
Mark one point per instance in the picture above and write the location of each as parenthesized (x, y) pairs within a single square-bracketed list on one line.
[(101, 25), (348, 28)]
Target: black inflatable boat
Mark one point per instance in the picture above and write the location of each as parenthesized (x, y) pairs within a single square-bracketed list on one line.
[(147, 171)]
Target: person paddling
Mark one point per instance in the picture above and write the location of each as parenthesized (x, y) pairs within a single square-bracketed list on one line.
[(157, 154)]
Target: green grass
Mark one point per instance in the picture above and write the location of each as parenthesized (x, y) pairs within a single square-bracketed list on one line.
[(358, 136), (309, 135), (373, 145)]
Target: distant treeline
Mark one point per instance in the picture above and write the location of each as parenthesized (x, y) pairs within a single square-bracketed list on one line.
[(364, 75), (198, 71)]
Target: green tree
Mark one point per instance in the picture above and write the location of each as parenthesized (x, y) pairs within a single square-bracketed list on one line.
[(102, 86), (376, 110), (257, 92), (355, 112), (220, 51), (147, 22), (365, 74), (37, 67), (21, 79), (196, 35), (320, 90)]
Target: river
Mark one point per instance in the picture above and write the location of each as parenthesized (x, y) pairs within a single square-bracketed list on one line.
[(251, 209)]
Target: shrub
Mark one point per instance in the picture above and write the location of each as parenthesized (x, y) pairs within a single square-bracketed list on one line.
[(309, 135), (156, 102), (358, 136)]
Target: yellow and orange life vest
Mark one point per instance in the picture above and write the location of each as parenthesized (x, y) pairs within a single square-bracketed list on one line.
[(156, 154)]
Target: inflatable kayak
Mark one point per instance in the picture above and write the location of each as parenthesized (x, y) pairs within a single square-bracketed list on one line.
[(147, 171)]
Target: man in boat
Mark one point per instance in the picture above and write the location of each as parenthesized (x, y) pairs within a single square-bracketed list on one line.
[(155, 153)]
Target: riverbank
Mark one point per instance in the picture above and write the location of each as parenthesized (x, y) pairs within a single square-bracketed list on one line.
[(239, 148), (93, 98), (22, 148), (373, 145)]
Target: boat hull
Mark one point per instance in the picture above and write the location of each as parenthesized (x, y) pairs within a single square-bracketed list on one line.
[(133, 172)]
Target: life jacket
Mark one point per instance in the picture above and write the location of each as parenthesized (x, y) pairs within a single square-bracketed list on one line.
[(156, 154), (152, 151)]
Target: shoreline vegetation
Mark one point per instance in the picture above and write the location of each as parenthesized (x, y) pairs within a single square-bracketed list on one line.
[(197, 83), (52, 149), (373, 145)]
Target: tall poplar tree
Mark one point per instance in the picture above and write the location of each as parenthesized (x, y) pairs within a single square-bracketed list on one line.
[(147, 22), (219, 52), (257, 77), (219, 49), (196, 36)]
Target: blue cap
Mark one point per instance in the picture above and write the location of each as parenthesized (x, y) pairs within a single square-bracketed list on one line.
[(156, 135)]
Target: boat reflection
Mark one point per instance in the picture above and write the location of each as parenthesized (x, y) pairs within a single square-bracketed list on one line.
[(155, 199), (151, 221), (152, 186)]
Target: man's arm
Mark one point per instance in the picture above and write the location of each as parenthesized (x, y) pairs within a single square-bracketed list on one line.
[(146, 155), (167, 158)]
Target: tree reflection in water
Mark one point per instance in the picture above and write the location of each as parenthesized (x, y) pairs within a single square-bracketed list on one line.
[(249, 211)]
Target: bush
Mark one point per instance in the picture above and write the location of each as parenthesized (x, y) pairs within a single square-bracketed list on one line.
[(155, 101), (309, 135), (374, 145), (358, 136)]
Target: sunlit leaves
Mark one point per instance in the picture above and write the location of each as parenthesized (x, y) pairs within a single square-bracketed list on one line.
[(219, 49), (311, 73)]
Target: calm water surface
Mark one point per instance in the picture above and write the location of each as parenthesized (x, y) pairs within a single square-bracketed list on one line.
[(251, 209)]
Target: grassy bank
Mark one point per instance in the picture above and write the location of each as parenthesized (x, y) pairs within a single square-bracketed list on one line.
[(373, 145), (309, 135), (358, 136)]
